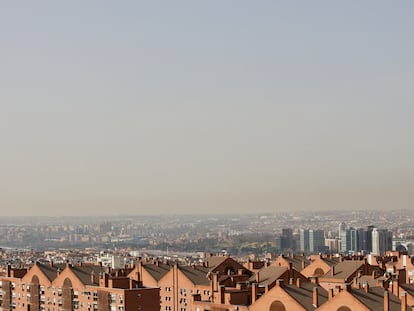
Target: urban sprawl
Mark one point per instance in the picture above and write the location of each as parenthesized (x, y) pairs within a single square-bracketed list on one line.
[(356, 260)]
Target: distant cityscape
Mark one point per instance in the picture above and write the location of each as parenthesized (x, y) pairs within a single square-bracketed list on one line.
[(307, 232), (285, 261)]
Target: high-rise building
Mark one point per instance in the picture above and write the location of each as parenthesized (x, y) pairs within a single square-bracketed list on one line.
[(316, 241), (381, 241), (366, 239), (355, 240), (345, 237), (312, 241), (285, 242), (304, 240), (287, 233)]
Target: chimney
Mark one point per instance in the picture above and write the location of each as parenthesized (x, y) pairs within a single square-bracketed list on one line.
[(396, 287), (403, 301), (356, 283), (386, 301), (254, 292), (333, 271), (303, 264), (374, 274), (92, 277), (366, 287), (221, 293), (315, 280), (291, 281), (315, 297), (298, 281), (215, 282), (290, 269), (257, 277), (330, 293)]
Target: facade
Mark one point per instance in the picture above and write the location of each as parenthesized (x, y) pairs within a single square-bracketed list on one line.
[(381, 241), (58, 288), (355, 240), (316, 241), (285, 241), (312, 241), (316, 282), (304, 241)]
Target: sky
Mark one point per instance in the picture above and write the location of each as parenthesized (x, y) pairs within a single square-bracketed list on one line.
[(197, 107)]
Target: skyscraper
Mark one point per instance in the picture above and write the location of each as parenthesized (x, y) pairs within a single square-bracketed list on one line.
[(304, 240), (312, 241), (345, 237), (316, 241), (381, 241)]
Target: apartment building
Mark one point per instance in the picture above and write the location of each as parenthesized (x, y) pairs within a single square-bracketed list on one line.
[(88, 287)]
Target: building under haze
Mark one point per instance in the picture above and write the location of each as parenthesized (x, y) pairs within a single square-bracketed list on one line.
[(285, 241), (381, 241), (312, 241), (355, 239)]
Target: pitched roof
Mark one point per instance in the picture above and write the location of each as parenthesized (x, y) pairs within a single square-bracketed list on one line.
[(196, 274), (304, 294), (297, 262), (345, 269), (372, 281), (268, 275), (331, 261), (157, 271), (49, 271), (374, 299), (409, 288), (84, 274), (214, 261)]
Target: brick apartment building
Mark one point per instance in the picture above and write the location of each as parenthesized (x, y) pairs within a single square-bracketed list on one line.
[(338, 283), (45, 287)]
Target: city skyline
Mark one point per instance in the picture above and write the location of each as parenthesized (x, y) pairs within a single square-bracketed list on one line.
[(186, 108)]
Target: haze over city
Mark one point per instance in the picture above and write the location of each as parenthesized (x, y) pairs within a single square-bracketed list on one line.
[(190, 107)]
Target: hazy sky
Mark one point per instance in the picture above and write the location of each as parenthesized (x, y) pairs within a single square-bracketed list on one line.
[(126, 107)]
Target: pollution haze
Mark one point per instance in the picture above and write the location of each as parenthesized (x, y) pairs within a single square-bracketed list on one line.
[(190, 107)]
